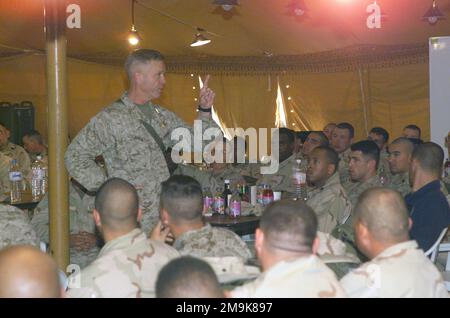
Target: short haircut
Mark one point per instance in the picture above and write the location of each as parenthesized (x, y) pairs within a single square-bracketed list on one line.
[(347, 126), (141, 56), (430, 157), (405, 141), (323, 138), (188, 277), (383, 211), (117, 202), (302, 135), (35, 135), (414, 127), (381, 132), (289, 225), (288, 133), (182, 198), (368, 148), (330, 154)]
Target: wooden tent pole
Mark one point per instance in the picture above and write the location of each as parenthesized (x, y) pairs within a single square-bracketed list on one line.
[(57, 130)]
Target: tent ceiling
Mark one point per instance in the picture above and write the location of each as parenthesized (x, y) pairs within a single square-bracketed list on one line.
[(257, 26)]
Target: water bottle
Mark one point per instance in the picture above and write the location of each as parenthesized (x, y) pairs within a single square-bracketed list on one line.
[(226, 194), (37, 179), (208, 202), (299, 177), (267, 195), (235, 205), (219, 202), (15, 177)]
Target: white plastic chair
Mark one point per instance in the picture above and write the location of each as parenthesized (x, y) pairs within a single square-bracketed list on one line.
[(433, 250)]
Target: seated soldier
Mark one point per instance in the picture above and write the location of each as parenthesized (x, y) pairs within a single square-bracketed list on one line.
[(328, 129), (327, 197), (14, 151), (400, 152), (15, 227), (128, 264), (397, 267), (5, 163), (364, 159), (341, 140), (33, 142), (83, 241), (286, 244), (26, 272), (188, 277), (412, 131), (380, 136), (220, 169), (181, 215)]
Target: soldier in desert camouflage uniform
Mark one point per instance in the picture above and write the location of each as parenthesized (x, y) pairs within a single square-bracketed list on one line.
[(5, 163), (341, 139), (14, 151), (15, 228), (131, 133), (286, 244), (128, 264), (398, 268), (83, 241), (181, 213), (327, 198)]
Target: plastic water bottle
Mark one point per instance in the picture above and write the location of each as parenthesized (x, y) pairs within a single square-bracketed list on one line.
[(235, 205), (15, 177), (37, 179), (267, 195), (208, 202), (299, 178)]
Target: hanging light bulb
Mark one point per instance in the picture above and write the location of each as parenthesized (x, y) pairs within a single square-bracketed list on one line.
[(433, 15), (297, 8), (227, 5), (133, 35), (200, 39)]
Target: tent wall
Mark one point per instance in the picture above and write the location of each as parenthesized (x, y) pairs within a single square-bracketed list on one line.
[(394, 96)]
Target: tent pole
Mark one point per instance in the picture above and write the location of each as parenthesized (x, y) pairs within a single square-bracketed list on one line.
[(57, 130)]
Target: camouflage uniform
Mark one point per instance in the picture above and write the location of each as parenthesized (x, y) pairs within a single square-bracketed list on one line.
[(212, 242), (344, 161), (118, 134), (305, 277), (127, 267), (400, 182), (401, 270), (5, 163), (282, 180), (16, 152), (330, 203), (383, 167), (15, 228), (208, 178), (81, 220), (355, 189)]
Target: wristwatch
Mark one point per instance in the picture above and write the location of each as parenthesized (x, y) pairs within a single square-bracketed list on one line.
[(205, 110)]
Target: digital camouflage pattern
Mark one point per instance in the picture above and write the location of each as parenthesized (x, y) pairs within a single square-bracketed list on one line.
[(330, 203), (129, 150), (5, 163), (400, 182), (401, 270), (127, 267), (14, 151), (282, 179), (344, 161), (212, 242), (305, 277), (80, 220), (15, 228)]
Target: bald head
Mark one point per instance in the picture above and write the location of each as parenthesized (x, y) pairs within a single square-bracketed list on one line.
[(26, 272), (117, 203), (383, 212)]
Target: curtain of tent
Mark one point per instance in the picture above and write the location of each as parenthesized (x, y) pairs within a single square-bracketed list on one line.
[(395, 96)]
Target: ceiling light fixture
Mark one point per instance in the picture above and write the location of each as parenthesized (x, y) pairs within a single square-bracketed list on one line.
[(227, 5), (297, 8), (200, 39), (433, 14), (133, 35)]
